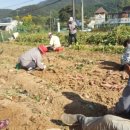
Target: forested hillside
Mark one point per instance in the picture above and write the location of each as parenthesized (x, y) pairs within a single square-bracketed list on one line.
[(44, 8)]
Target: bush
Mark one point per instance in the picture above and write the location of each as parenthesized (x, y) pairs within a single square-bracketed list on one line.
[(33, 38), (114, 37), (5, 35), (108, 49)]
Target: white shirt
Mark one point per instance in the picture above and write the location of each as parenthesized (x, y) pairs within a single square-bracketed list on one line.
[(55, 41)]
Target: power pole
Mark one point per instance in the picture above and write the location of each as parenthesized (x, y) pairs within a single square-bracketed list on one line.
[(17, 13), (73, 4), (50, 21), (82, 14)]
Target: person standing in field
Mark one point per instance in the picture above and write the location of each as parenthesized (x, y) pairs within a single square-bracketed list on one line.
[(72, 31)]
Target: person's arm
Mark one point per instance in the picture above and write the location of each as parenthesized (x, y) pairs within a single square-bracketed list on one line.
[(51, 41), (39, 63), (75, 25), (122, 108), (123, 105), (68, 28)]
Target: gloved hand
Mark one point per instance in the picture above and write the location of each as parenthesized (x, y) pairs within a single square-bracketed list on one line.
[(44, 67)]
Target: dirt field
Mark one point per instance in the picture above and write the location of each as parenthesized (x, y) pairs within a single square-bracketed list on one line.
[(74, 82)]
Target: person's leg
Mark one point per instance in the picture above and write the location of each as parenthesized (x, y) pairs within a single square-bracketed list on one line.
[(77, 119), (75, 39), (32, 65), (107, 122), (70, 39)]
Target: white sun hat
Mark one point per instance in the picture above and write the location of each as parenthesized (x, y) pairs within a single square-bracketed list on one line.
[(71, 19)]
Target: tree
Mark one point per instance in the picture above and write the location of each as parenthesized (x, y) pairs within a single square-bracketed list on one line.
[(27, 19), (123, 3), (65, 13)]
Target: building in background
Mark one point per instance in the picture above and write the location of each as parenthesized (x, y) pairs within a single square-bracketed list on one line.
[(102, 17), (8, 24), (120, 17), (99, 18)]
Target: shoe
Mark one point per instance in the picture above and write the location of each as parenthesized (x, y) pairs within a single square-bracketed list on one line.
[(30, 68), (69, 119), (4, 123)]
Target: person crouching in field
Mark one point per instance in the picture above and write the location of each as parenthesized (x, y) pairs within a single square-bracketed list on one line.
[(54, 44), (32, 58)]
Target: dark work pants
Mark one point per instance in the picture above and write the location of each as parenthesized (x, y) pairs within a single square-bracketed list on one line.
[(32, 64), (107, 122), (72, 38), (50, 48)]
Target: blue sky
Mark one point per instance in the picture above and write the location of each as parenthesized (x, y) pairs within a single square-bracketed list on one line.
[(14, 4)]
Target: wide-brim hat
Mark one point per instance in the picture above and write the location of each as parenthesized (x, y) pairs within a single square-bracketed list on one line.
[(43, 49), (50, 33), (71, 19)]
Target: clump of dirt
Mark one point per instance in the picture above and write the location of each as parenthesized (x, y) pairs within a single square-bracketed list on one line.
[(74, 82)]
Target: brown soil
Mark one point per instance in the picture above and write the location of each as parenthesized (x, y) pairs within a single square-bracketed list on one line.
[(74, 82)]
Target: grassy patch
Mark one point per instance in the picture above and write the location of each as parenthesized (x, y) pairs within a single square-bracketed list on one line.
[(114, 49)]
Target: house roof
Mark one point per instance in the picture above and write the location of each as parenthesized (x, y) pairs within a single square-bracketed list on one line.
[(101, 10)]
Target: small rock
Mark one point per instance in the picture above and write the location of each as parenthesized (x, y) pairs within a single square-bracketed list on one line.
[(86, 96), (25, 92), (91, 82), (41, 86), (11, 70), (109, 72), (39, 81), (1, 51), (2, 81), (32, 119)]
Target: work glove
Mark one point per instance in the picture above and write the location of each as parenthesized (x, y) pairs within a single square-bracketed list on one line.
[(44, 67)]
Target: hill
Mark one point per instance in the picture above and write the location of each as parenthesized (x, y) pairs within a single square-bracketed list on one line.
[(5, 12), (90, 6)]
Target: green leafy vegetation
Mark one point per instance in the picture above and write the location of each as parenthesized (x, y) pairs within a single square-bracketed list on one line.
[(92, 41), (32, 39), (4, 35)]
